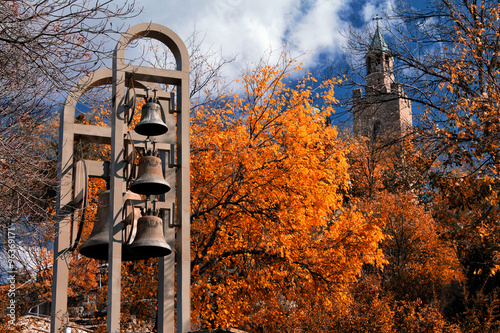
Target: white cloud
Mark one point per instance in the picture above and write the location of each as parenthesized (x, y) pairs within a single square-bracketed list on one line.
[(250, 28), (319, 28), (371, 9)]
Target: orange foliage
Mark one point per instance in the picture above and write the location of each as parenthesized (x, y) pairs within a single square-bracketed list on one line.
[(420, 264), (463, 147), (268, 226)]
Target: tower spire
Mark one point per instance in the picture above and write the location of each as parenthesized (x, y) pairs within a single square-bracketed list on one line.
[(378, 41)]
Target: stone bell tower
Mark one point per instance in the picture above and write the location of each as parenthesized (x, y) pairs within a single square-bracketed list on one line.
[(384, 112)]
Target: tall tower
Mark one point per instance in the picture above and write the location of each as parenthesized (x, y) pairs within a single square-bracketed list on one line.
[(384, 113)]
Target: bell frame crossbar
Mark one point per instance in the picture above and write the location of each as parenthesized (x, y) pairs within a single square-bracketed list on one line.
[(174, 149)]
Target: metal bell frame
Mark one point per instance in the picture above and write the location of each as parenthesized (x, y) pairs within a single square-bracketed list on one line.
[(173, 270)]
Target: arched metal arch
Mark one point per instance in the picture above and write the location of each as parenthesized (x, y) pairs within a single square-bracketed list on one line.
[(158, 32)]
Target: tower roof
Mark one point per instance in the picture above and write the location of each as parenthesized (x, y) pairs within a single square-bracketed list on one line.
[(378, 42)]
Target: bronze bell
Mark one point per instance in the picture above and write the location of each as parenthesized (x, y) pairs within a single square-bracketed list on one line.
[(151, 123), (96, 246), (150, 177), (149, 241)]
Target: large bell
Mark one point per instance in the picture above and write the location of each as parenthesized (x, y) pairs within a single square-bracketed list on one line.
[(150, 177), (151, 123), (149, 241), (96, 246)]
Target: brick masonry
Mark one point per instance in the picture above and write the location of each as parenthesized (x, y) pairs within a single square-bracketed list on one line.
[(384, 110)]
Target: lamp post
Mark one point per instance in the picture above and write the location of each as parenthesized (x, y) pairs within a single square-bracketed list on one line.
[(173, 150)]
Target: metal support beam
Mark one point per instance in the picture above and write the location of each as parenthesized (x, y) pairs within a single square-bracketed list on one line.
[(115, 200), (59, 306), (63, 230), (183, 212)]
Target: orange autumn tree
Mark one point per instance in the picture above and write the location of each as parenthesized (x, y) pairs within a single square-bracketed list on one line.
[(269, 230), (422, 266), (34, 256), (271, 240), (462, 143)]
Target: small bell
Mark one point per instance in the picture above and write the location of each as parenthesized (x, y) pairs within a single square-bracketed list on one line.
[(149, 241), (151, 123), (150, 177)]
